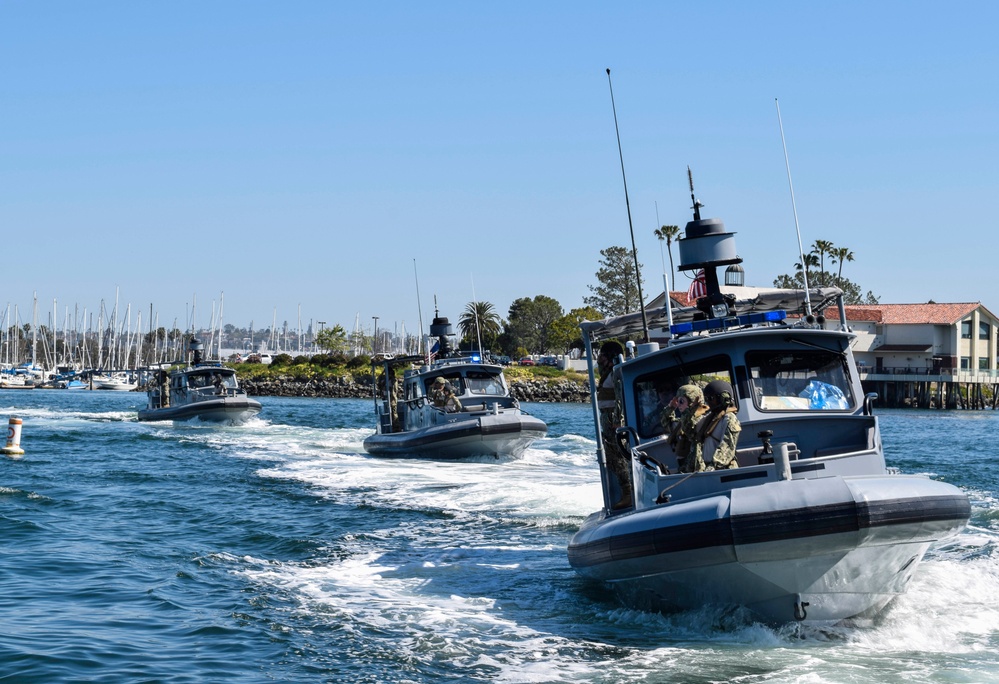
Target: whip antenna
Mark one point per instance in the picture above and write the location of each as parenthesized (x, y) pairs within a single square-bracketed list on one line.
[(801, 251), (419, 341), (627, 204)]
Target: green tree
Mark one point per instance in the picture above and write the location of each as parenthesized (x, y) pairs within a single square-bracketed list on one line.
[(479, 322), (529, 323), (668, 233), (565, 333), (810, 261), (852, 292), (841, 255), (616, 292), (820, 248), (332, 339)]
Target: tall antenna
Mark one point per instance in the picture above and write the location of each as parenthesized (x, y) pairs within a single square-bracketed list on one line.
[(419, 341), (627, 204), (794, 210), (475, 309), (695, 205)]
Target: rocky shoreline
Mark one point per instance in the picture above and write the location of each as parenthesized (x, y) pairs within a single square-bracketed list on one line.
[(557, 391)]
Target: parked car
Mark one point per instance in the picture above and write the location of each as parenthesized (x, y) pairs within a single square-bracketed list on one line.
[(527, 361), (502, 360), (548, 361)]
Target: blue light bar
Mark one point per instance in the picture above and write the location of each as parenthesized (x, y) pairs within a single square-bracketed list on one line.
[(731, 322)]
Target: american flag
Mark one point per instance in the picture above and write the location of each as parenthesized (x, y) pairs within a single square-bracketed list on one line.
[(698, 288), (433, 351)]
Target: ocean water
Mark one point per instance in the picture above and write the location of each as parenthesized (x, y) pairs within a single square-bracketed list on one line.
[(279, 551)]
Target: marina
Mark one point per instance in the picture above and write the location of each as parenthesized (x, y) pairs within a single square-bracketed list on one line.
[(279, 551), (779, 468)]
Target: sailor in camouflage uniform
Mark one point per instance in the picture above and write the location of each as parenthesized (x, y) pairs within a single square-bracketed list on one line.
[(683, 435), (618, 461), (718, 431)]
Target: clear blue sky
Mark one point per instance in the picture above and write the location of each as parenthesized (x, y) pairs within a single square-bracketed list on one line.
[(303, 156)]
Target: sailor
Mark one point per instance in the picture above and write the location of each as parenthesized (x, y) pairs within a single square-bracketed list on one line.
[(662, 416), (394, 385), (718, 431), (618, 462), (683, 437), (164, 389), (442, 396)]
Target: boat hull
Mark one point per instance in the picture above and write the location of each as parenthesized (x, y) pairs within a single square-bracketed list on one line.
[(218, 410), (504, 435), (820, 550)]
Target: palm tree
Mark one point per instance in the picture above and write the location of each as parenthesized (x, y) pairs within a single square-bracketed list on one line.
[(668, 233), (841, 254), (810, 261), (821, 248), (479, 322)]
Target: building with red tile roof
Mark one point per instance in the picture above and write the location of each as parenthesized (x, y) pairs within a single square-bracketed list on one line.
[(924, 338), (920, 339)]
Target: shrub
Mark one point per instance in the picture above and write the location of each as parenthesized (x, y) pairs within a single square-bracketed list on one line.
[(281, 361), (360, 361)]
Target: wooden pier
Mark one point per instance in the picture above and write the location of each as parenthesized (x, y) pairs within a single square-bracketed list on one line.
[(944, 389)]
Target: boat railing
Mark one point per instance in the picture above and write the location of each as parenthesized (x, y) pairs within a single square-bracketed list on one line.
[(479, 403), (211, 392), (658, 482)]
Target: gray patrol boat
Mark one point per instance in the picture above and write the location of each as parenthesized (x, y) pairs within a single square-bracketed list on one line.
[(490, 421), (198, 390), (812, 525)]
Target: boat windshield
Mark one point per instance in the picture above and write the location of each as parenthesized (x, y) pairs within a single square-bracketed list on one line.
[(453, 379), (215, 380), (480, 382), (800, 380), (655, 390)]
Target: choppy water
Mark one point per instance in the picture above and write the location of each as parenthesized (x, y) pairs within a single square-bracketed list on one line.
[(279, 551)]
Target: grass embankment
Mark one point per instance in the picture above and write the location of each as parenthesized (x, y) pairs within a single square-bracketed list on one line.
[(360, 372), (526, 373)]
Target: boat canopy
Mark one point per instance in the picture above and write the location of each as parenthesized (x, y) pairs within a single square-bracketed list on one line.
[(788, 300)]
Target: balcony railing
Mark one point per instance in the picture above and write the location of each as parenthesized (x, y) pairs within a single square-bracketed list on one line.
[(910, 374)]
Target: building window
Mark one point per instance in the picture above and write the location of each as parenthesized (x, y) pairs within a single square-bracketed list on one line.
[(965, 363), (983, 364), (966, 330), (983, 331)]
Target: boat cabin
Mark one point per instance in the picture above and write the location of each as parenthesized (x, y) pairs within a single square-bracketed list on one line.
[(796, 389), (407, 405), (204, 379)]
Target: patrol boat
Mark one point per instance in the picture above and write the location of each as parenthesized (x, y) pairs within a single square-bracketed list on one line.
[(202, 390), (489, 423), (811, 526)]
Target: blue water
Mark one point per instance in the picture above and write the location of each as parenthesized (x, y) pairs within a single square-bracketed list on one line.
[(279, 551)]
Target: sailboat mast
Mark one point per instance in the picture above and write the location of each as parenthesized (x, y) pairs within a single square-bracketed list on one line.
[(221, 305)]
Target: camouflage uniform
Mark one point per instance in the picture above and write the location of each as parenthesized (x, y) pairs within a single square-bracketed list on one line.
[(618, 459), (718, 432), (610, 421), (721, 435), (683, 436), (442, 396)]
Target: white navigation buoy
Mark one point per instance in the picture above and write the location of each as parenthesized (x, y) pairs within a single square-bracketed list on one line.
[(13, 448)]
